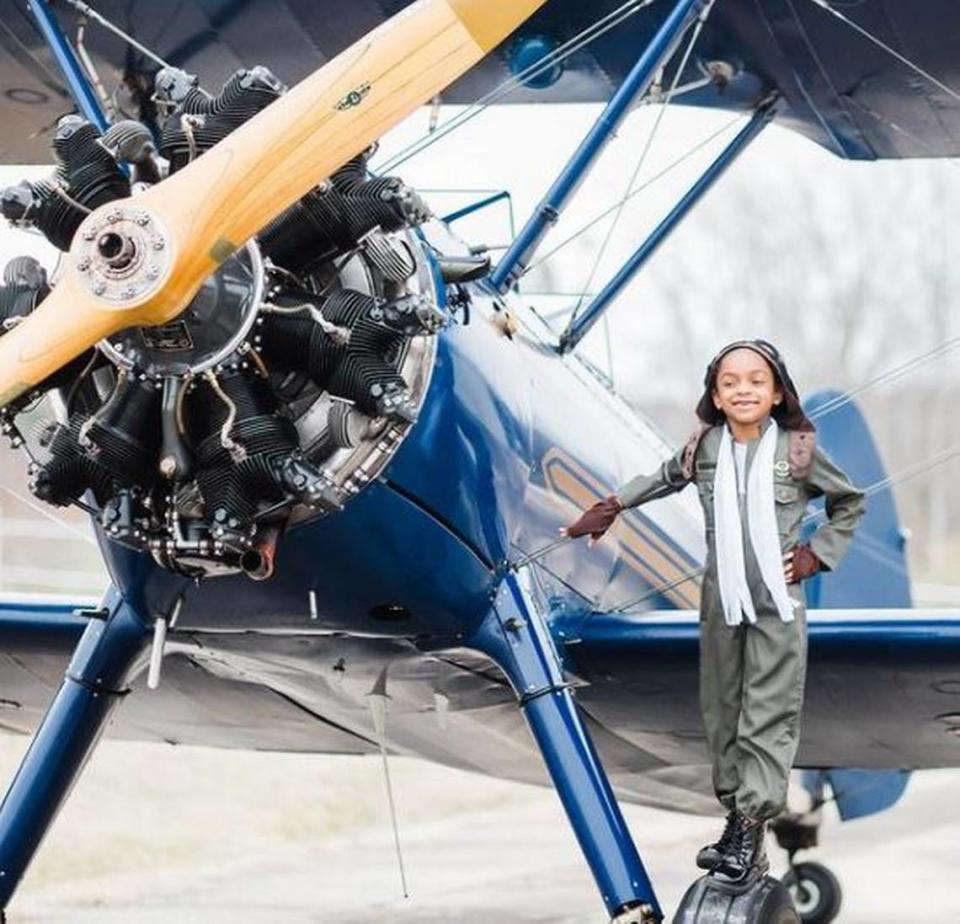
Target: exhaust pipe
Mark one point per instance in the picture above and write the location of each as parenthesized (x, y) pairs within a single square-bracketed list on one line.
[(258, 562)]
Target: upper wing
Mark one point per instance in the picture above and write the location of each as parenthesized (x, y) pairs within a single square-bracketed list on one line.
[(844, 91)]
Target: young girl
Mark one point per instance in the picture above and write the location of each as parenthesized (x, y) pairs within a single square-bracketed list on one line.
[(756, 465)]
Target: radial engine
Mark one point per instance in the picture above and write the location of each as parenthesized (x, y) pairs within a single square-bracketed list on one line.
[(284, 386)]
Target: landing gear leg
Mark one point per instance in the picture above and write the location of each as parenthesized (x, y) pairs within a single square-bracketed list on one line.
[(516, 637), (109, 652), (815, 890)]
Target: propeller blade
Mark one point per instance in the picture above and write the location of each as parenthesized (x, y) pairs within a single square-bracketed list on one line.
[(65, 324), (214, 205)]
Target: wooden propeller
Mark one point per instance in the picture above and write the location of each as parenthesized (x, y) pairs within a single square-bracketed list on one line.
[(208, 209)]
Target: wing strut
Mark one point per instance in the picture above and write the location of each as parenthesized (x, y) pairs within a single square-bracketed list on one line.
[(77, 82), (515, 635), (109, 653), (576, 331), (637, 82)]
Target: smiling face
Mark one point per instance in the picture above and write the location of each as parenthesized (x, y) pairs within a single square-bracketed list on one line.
[(746, 391)]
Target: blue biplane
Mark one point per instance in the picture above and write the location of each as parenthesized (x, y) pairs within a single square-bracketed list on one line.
[(327, 446)]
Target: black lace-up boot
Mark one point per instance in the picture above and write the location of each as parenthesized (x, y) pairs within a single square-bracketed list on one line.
[(712, 854), (746, 857)]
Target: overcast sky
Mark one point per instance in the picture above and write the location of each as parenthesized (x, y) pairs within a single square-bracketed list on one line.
[(789, 231), (521, 149)]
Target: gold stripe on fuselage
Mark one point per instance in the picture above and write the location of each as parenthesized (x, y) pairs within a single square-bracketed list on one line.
[(641, 549)]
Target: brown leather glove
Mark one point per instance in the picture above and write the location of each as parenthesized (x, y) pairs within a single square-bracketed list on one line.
[(805, 563), (597, 520)]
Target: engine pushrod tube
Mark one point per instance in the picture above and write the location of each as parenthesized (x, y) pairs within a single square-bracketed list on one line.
[(578, 330), (77, 82), (636, 83), (517, 638), (109, 651)]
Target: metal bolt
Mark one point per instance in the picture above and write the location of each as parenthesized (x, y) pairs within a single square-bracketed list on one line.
[(99, 288), (159, 243)]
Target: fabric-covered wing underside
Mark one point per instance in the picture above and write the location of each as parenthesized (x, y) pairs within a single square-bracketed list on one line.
[(844, 91)]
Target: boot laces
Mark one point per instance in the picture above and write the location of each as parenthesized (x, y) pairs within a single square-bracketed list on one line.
[(745, 838), (729, 831)]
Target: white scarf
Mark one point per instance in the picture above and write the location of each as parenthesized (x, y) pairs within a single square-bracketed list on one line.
[(764, 535)]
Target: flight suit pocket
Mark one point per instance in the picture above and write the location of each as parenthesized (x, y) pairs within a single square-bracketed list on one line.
[(788, 509), (786, 493)]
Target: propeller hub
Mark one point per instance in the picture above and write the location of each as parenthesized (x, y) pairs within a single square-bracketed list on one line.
[(117, 250), (122, 253)]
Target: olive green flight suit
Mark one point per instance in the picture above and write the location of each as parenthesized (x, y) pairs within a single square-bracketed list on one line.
[(752, 675)]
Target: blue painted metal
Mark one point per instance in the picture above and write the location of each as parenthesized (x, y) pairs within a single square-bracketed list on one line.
[(633, 634), (476, 206), (511, 443), (526, 442), (386, 549), (659, 50), (95, 680), (579, 327), (38, 619), (857, 793), (515, 636), (73, 72), (875, 571), (526, 52)]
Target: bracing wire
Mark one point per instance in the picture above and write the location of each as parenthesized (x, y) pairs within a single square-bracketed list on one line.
[(910, 471), (639, 189), (86, 10), (889, 376), (823, 4), (580, 41), (39, 508), (661, 112), (910, 365)]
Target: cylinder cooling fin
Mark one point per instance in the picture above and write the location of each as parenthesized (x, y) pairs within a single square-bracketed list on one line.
[(282, 389)]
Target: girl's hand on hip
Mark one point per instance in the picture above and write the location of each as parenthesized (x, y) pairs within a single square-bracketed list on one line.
[(799, 563), (788, 566)]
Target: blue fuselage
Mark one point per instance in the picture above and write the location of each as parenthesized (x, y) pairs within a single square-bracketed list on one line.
[(512, 442)]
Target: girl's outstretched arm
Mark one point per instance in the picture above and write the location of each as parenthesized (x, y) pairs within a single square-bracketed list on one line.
[(667, 479)]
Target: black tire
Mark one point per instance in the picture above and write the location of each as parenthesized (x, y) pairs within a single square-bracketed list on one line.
[(709, 902), (815, 891)]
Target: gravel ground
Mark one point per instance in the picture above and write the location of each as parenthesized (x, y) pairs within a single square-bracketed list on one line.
[(157, 834)]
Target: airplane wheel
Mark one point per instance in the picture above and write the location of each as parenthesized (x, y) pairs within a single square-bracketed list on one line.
[(708, 901), (815, 892)]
